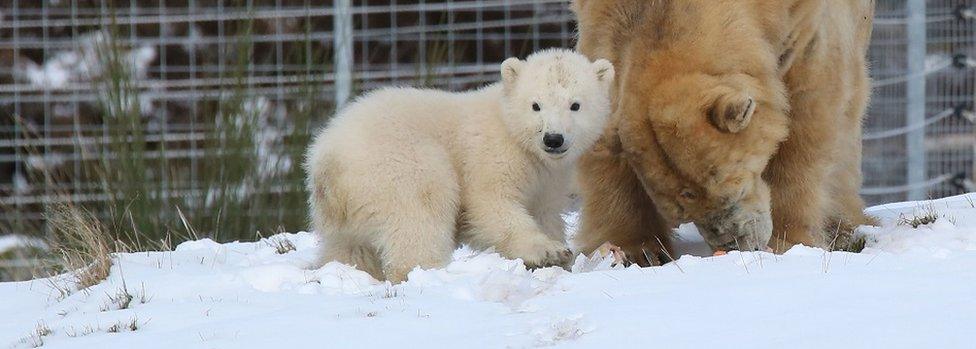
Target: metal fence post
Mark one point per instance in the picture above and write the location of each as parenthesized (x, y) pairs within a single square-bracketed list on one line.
[(343, 51), (915, 99)]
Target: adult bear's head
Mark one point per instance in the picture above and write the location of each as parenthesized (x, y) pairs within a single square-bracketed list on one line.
[(700, 107)]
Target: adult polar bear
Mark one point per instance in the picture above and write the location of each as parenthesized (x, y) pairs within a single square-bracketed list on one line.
[(743, 116)]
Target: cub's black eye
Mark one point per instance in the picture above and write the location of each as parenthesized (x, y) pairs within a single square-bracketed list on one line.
[(536, 107), (574, 107)]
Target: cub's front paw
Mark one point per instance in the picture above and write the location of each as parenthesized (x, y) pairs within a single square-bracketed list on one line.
[(546, 254)]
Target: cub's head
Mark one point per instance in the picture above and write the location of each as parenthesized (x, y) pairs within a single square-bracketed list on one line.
[(556, 102)]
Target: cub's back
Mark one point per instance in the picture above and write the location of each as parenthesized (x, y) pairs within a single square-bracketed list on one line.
[(394, 113)]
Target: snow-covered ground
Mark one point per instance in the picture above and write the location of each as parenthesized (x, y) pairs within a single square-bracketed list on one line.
[(911, 288)]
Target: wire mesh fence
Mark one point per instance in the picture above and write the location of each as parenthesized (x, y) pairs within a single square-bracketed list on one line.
[(168, 113), (918, 140)]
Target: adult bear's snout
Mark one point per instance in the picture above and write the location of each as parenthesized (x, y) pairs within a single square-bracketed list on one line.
[(737, 229)]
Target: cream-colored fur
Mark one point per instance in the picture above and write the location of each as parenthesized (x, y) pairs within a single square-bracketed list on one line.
[(403, 175)]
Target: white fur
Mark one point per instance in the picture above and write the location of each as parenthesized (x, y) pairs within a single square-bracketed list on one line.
[(403, 175)]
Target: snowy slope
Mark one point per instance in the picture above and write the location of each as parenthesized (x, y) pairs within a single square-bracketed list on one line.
[(911, 288)]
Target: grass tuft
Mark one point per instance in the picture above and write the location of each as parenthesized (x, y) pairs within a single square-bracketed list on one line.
[(925, 216), (282, 245), (36, 338), (85, 247), (130, 325), (73, 332), (122, 299), (389, 291), (279, 242)]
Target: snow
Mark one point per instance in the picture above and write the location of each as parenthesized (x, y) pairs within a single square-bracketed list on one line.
[(912, 287), (14, 241), (21, 184), (85, 63)]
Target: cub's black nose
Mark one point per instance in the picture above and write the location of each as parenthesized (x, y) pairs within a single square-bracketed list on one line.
[(552, 140)]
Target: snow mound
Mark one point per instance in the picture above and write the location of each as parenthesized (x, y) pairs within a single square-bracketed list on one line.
[(248, 295)]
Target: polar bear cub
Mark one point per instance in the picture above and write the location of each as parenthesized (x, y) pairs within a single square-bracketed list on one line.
[(402, 176)]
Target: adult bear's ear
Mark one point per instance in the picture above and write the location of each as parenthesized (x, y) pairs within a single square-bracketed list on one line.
[(604, 71), (510, 71), (732, 112)]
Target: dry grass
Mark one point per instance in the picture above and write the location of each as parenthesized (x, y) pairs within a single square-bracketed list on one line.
[(120, 300), (87, 330), (922, 217), (143, 296), (123, 299), (36, 338), (279, 242), (390, 291), (84, 247), (130, 325)]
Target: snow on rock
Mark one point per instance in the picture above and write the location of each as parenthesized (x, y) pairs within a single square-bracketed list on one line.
[(912, 287)]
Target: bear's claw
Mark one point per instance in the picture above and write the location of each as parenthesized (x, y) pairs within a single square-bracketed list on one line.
[(552, 258)]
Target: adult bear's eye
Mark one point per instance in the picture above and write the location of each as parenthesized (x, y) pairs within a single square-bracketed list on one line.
[(536, 107), (574, 107)]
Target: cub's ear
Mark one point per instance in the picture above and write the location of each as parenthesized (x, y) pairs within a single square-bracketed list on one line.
[(510, 71), (604, 71), (732, 112)]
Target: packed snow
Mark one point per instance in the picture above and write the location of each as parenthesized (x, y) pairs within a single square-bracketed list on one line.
[(910, 288)]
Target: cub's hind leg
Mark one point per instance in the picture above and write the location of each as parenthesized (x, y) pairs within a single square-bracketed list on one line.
[(416, 210), (360, 255)]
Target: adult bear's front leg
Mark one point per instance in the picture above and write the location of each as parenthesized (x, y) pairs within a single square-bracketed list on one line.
[(616, 209), (797, 174)]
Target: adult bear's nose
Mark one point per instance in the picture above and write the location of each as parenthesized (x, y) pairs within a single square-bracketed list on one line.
[(553, 140)]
